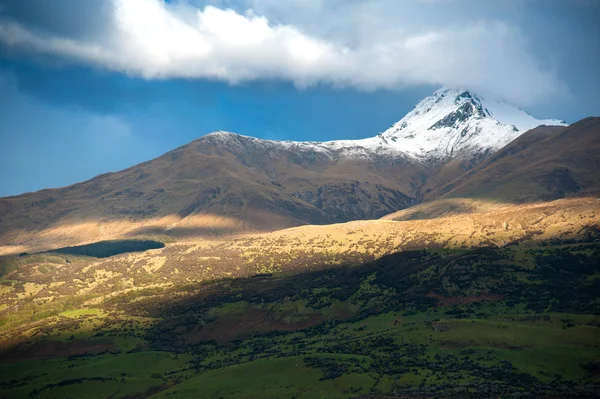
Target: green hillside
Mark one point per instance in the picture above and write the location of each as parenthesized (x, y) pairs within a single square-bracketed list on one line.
[(501, 322)]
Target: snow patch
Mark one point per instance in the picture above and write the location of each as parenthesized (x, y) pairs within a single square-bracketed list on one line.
[(452, 123)]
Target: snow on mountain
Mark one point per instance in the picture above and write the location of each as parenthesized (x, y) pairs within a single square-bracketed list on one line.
[(452, 123), (455, 123)]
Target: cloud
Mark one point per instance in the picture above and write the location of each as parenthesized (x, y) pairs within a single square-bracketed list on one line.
[(361, 47)]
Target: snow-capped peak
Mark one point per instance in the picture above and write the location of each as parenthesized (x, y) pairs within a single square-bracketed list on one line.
[(452, 123), (457, 123)]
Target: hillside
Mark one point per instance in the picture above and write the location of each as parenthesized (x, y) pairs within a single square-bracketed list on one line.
[(463, 305), (225, 184), (55, 277), (220, 184), (543, 164)]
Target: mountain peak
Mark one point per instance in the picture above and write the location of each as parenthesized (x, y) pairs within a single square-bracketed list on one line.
[(459, 95), (221, 133), (451, 123), (450, 91), (455, 122)]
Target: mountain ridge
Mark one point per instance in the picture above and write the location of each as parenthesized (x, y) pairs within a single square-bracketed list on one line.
[(224, 183), (546, 164), (468, 114)]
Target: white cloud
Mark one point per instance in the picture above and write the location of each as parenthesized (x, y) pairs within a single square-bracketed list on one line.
[(153, 39)]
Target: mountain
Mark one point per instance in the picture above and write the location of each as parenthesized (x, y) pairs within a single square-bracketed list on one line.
[(220, 184), (544, 164), (450, 124), (548, 163), (471, 294), (225, 183), (458, 124)]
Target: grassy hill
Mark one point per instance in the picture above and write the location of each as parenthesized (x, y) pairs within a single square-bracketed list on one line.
[(468, 323), (53, 280), (499, 300)]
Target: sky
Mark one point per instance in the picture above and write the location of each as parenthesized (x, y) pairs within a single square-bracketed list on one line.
[(89, 87)]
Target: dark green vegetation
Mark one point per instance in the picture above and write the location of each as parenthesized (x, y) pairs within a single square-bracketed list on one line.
[(104, 249), (489, 322)]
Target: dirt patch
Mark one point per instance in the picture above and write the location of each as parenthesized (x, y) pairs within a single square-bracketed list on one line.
[(50, 349), (227, 328), (463, 300)]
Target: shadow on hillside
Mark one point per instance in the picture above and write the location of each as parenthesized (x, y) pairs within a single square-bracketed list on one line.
[(104, 249), (406, 281), (310, 308)]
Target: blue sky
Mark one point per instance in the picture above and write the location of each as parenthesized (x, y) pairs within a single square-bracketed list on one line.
[(91, 87)]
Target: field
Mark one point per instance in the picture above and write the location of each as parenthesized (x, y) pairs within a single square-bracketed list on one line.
[(488, 322)]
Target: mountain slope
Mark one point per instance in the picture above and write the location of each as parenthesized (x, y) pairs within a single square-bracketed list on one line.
[(219, 184), (225, 183), (544, 164)]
